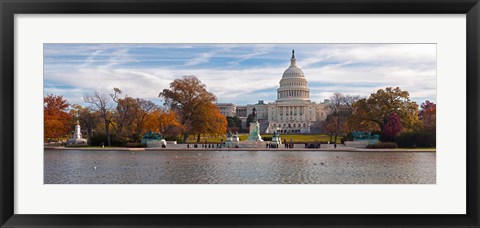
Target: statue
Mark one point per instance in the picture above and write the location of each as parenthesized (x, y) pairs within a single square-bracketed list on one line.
[(276, 138), (254, 134), (359, 136), (235, 137), (254, 114), (362, 139), (152, 135), (153, 139), (229, 136)]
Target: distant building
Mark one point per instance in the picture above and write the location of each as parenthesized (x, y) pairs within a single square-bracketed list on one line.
[(241, 111), (292, 112), (227, 109)]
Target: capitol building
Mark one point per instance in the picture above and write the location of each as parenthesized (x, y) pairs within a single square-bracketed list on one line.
[(292, 112)]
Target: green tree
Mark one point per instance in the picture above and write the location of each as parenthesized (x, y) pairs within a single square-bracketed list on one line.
[(234, 123), (375, 110), (250, 119)]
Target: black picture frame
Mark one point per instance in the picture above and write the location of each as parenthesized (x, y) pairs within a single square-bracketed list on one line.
[(9, 8)]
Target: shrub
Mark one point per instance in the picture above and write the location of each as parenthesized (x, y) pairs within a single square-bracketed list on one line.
[(173, 138), (133, 145), (267, 138), (384, 137), (383, 145), (135, 138), (348, 137), (76, 145), (99, 139), (416, 139)]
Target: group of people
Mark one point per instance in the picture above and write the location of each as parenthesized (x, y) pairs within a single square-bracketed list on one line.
[(272, 145), (269, 145), (312, 145), (288, 145), (206, 145)]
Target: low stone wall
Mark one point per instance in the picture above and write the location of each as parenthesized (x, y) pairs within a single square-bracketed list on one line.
[(360, 144), (155, 143), (231, 144), (356, 144), (252, 144)]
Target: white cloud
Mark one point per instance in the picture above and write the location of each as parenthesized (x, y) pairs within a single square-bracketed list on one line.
[(353, 69)]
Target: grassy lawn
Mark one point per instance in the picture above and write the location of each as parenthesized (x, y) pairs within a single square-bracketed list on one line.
[(88, 146), (297, 138)]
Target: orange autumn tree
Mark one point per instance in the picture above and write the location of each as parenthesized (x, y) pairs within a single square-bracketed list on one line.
[(164, 122), (209, 121), (187, 96), (217, 123), (57, 119)]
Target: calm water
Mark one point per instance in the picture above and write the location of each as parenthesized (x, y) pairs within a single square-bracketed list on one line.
[(237, 167)]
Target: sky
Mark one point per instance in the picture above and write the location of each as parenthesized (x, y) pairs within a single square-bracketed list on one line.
[(238, 73)]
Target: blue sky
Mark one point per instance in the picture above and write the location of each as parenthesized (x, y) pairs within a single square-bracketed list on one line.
[(238, 73)]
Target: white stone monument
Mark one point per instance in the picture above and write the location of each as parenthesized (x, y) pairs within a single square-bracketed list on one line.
[(235, 138), (276, 139), (254, 135), (77, 136)]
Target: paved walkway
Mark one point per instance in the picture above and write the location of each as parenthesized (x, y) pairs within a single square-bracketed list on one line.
[(297, 147)]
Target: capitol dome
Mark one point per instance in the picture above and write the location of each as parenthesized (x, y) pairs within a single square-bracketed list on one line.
[(293, 72), (293, 85)]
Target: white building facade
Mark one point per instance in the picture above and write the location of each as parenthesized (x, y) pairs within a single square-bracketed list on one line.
[(227, 109), (293, 111)]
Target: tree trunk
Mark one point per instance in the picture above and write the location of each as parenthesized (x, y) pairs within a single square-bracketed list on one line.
[(185, 137), (107, 132), (198, 138)]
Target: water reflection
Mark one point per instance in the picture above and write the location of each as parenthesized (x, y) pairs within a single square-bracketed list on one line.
[(237, 167)]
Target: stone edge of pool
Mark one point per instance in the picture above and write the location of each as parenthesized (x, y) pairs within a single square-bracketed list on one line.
[(243, 149)]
